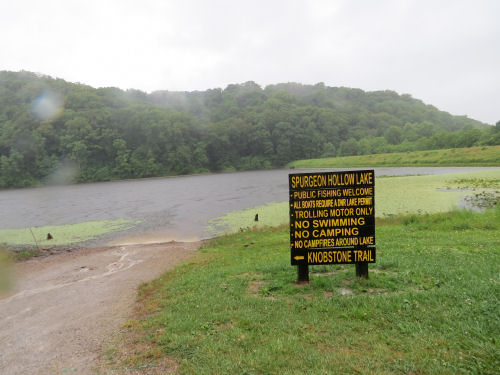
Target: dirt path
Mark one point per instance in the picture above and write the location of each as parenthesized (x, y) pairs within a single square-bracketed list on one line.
[(65, 305)]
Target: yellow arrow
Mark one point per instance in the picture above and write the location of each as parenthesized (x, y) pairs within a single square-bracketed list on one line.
[(298, 257)]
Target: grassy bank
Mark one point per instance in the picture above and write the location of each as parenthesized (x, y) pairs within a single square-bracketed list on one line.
[(431, 306), (474, 156)]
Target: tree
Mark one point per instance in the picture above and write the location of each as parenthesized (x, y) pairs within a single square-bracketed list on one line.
[(329, 150), (122, 167), (11, 173), (349, 147), (111, 133), (393, 135)]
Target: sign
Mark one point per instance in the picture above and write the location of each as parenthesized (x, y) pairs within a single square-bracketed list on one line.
[(332, 217)]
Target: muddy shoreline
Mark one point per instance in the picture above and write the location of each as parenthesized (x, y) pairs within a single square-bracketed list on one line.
[(65, 305)]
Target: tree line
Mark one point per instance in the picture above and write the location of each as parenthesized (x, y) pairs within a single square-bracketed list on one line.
[(49, 126)]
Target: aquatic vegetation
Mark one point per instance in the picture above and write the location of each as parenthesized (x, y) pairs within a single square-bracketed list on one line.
[(270, 214), (393, 196), (485, 191), (62, 234)]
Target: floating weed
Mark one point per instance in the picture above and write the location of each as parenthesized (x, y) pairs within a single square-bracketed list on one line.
[(62, 234), (397, 199), (467, 183), (485, 191), (483, 199)]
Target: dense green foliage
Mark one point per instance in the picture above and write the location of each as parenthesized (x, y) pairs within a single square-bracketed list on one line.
[(51, 129)]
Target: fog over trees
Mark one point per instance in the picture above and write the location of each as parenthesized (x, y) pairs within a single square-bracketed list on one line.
[(50, 127)]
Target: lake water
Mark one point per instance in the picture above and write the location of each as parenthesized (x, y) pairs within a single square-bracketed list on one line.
[(170, 208)]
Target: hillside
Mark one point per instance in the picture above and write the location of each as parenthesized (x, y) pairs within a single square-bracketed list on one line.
[(56, 131)]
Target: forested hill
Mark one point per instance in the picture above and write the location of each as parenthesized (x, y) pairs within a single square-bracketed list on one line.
[(52, 130)]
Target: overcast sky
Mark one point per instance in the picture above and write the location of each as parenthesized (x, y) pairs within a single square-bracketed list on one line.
[(444, 52)]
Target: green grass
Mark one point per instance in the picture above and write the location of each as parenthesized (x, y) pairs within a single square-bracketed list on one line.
[(393, 196), (473, 156), (62, 234), (431, 306)]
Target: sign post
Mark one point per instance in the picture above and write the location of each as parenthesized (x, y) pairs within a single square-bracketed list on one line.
[(332, 220)]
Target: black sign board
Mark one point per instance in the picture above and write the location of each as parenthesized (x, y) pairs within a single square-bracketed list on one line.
[(332, 217)]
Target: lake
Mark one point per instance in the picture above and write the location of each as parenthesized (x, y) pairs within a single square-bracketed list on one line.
[(169, 208)]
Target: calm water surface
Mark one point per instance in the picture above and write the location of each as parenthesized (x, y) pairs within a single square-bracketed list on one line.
[(168, 208)]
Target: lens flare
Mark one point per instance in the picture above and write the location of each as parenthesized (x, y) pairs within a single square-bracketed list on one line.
[(66, 173), (48, 105)]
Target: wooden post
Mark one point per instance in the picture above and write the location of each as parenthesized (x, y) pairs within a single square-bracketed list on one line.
[(303, 273), (362, 270)]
